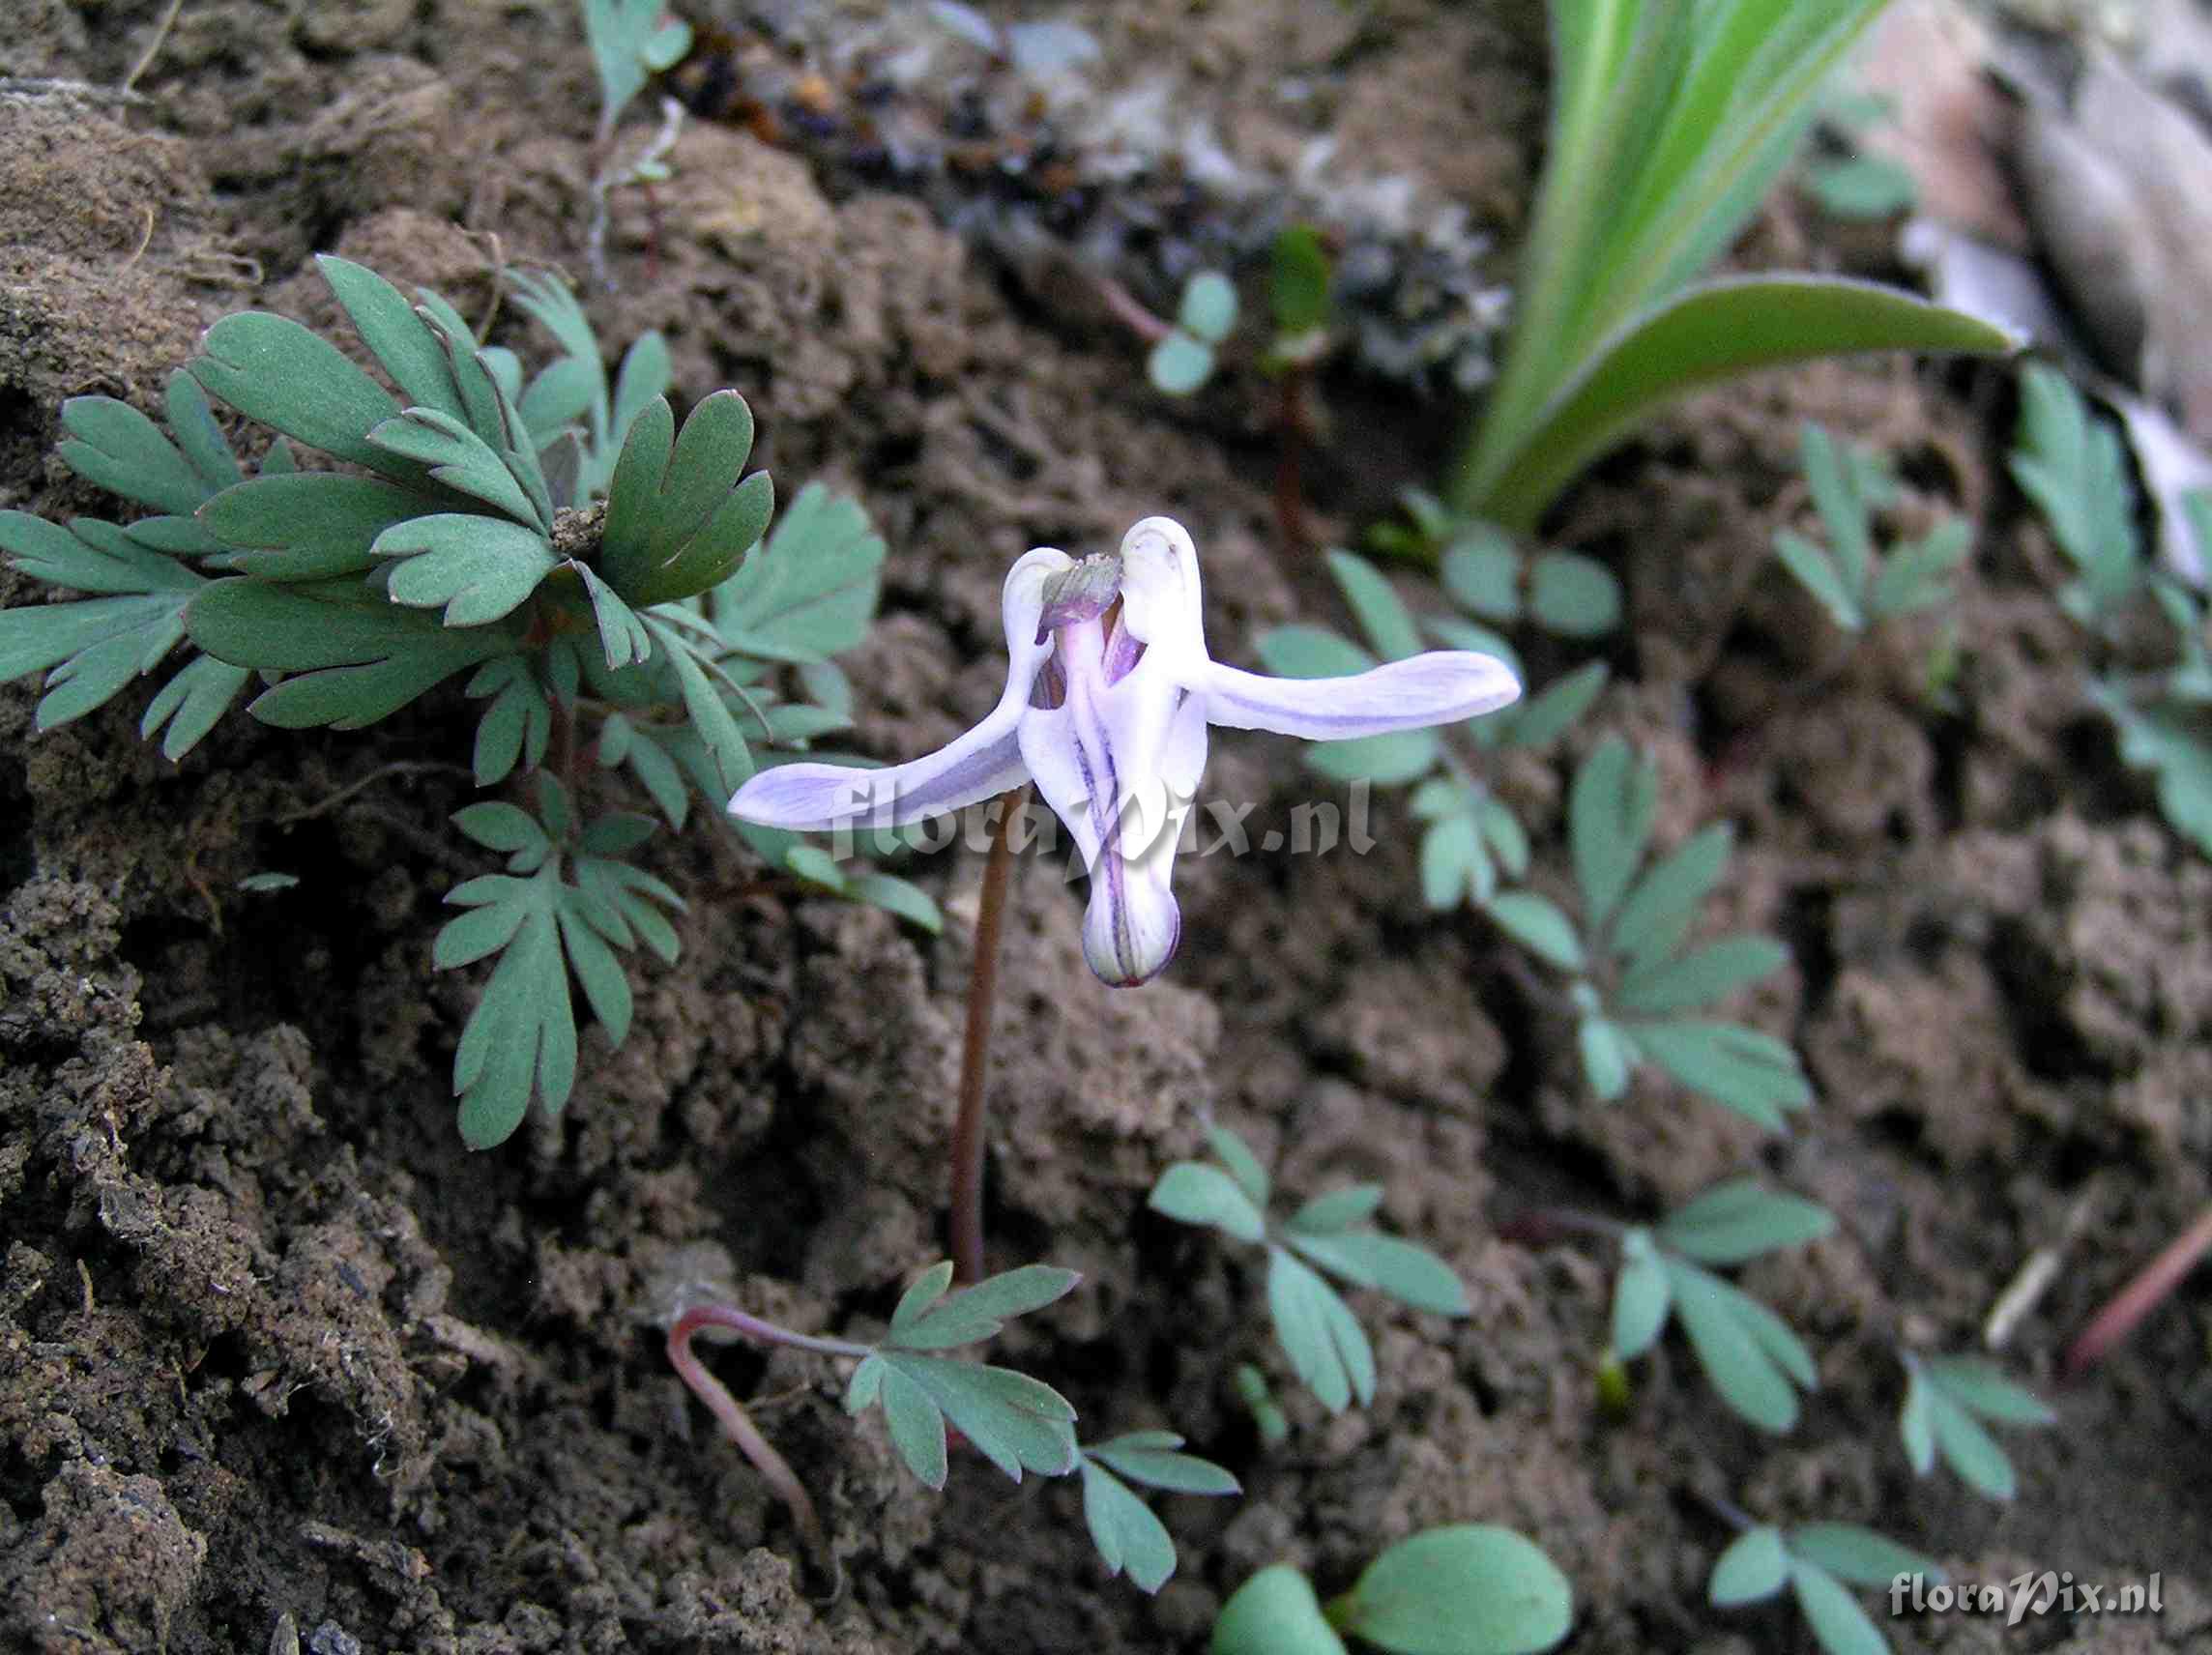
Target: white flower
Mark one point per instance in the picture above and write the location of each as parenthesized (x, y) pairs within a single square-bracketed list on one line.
[(1109, 693)]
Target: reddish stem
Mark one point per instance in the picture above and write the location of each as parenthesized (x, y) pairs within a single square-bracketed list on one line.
[(736, 1425), (2140, 1298), (1131, 313), (967, 1219), (1290, 434)]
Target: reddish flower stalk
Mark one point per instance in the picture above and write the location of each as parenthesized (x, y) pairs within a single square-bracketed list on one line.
[(967, 1138), (2140, 1298)]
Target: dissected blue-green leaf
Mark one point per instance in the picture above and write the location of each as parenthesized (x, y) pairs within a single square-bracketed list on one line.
[(1234, 1153), (1464, 1589), (1123, 1528), (1967, 1447), (1506, 838), (1737, 1348), (978, 1313), (621, 743), (1917, 573), (310, 525), (1539, 924), (1338, 1209), (916, 1423), (193, 429), (1640, 1298), (1858, 1554), (1610, 811), (1179, 364), (395, 334), (1740, 1219), (1406, 1270), (1019, 1424), (114, 445), (1481, 569), (1456, 867), (1755, 1566), (564, 392), (1275, 1613), (1656, 913), (518, 724), (1817, 572), (1916, 1421), (2074, 467), (1833, 483), (631, 39), (1835, 1617), (1572, 594), (191, 704), (896, 896), (475, 568), (2174, 742), (1700, 978), (678, 520), (1326, 1346), (272, 369), (808, 593), (1193, 1192), (1984, 1389), (456, 456), (1745, 1069), (1208, 307), (357, 661), (89, 556), (498, 826), (1154, 1459), (521, 1038), (1376, 606)]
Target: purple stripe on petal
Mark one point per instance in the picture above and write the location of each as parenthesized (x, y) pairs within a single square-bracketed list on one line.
[(1439, 687)]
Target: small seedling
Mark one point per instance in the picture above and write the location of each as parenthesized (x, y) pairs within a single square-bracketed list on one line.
[(2071, 464), (1749, 1352), (1018, 1423), (1947, 1399), (1465, 1589), (630, 41), (1848, 180), (1326, 1346), (1635, 974), (1815, 1560), (1182, 360), (1268, 1417), (1858, 588)]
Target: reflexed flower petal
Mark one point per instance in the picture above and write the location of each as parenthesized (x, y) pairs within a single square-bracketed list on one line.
[(1439, 687)]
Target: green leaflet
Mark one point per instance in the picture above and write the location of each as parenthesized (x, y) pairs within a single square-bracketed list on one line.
[(1466, 1586)]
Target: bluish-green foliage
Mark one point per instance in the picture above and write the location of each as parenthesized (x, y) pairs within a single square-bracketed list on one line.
[(1326, 1346), (457, 532)]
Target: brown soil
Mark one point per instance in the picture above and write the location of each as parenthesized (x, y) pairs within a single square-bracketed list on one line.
[(277, 1359)]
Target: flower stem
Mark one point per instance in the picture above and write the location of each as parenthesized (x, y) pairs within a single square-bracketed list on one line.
[(2149, 1288), (774, 1470), (967, 1219)]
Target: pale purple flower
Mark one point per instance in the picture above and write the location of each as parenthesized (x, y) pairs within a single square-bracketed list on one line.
[(1109, 693)]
